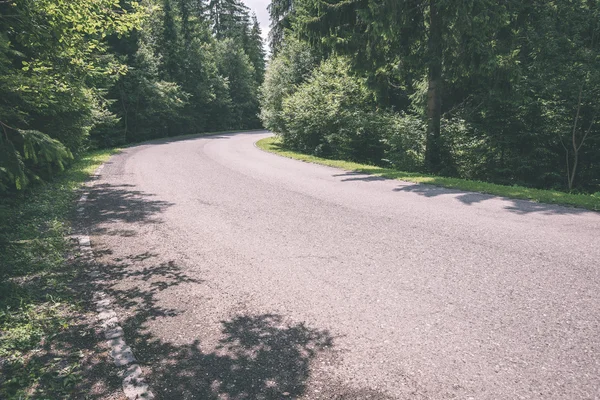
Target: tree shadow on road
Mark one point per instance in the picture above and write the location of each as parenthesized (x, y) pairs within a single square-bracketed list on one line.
[(468, 198), (121, 203), (358, 176), (258, 356), (519, 206), (523, 207)]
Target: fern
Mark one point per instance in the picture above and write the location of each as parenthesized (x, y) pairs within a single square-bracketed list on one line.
[(26, 151)]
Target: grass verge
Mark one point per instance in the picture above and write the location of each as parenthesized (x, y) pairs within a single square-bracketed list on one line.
[(39, 310), (590, 202)]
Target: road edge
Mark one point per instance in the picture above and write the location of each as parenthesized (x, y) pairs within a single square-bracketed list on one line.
[(134, 385), (538, 196)]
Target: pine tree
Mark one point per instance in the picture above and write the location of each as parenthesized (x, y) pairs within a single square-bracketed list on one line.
[(280, 13), (255, 49), (170, 42), (229, 18)]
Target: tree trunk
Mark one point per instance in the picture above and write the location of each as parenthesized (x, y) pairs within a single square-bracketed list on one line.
[(434, 93), (571, 178), (571, 172)]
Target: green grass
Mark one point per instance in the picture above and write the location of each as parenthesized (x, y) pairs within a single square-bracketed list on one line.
[(590, 202), (37, 303)]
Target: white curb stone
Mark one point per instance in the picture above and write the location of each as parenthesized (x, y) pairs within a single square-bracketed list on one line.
[(134, 386), (120, 352)]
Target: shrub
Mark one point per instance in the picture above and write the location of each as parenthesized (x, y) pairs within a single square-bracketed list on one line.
[(333, 114), (291, 67), (405, 142)]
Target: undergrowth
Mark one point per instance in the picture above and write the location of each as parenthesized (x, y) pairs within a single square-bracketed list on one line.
[(38, 307)]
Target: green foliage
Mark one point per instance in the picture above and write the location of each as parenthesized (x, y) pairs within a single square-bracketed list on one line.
[(281, 14), (255, 51), (36, 304), (507, 90), (97, 73), (27, 154), (193, 66), (52, 55), (235, 66), (147, 105), (291, 67), (229, 18), (334, 114), (405, 143)]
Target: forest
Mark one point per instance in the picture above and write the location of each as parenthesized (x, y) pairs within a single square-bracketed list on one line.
[(77, 75), (498, 91), (488, 98)]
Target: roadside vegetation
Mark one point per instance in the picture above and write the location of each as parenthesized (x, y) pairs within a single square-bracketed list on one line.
[(497, 97), (589, 201), (80, 75), (499, 92), (40, 308)]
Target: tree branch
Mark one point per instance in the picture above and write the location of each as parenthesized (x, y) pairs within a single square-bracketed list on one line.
[(587, 132), (4, 126)]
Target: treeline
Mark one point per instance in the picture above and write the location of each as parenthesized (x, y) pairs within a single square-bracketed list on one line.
[(82, 74), (501, 91)]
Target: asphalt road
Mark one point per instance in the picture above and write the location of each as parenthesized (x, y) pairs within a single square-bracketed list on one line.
[(244, 275)]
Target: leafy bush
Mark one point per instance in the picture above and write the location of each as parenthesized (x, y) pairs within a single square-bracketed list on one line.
[(291, 67), (405, 143), (333, 114), (25, 155)]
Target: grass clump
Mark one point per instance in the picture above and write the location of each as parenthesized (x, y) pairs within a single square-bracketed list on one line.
[(37, 303), (587, 201)]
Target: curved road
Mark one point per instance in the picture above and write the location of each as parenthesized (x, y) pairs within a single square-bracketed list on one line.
[(244, 275)]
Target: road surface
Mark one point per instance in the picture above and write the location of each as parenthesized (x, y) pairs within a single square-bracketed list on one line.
[(240, 274)]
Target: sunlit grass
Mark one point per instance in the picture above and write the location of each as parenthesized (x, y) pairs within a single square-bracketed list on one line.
[(590, 202)]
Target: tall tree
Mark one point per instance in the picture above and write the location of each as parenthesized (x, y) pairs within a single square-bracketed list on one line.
[(229, 18), (235, 66), (185, 13), (54, 63), (435, 86), (170, 41), (280, 13), (255, 50)]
